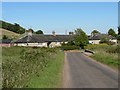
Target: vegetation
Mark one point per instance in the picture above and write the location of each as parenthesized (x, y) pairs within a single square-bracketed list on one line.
[(118, 36), (104, 39), (106, 54), (81, 38), (119, 30), (39, 32), (51, 75), (71, 33), (94, 32), (112, 32), (12, 27), (25, 64)]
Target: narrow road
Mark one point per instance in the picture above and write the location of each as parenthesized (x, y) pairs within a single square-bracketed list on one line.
[(83, 72)]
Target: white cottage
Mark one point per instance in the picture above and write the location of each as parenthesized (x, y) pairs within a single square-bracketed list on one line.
[(40, 40), (97, 38)]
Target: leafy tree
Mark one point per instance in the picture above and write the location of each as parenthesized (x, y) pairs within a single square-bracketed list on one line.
[(81, 38), (71, 33), (104, 39), (119, 30), (112, 32), (39, 32), (94, 32), (53, 32), (16, 28), (118, 36)]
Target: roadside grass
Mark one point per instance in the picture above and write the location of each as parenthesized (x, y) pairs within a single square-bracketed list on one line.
[(21, 65), (51, 76), (105, 54)]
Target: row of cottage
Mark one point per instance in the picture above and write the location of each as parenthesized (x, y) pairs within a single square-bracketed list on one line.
[(50, 40)]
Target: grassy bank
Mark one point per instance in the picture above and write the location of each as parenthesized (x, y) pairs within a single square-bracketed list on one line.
[(105, 54), (51, 75), (31, 67)]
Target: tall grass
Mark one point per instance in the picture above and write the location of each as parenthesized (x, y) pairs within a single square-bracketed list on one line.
[(20, 64), (51, 76), (106, 54)]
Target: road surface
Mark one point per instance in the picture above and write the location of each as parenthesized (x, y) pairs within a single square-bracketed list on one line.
[(83, 72)]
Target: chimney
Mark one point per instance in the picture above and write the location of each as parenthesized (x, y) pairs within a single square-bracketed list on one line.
[(71, 33), (29, 32), (53, 33)]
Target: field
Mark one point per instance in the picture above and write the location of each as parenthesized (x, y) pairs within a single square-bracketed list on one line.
[(106, 54), (31, 67), (8, 33)]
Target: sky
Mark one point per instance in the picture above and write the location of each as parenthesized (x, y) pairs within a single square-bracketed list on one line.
[(62, 16)]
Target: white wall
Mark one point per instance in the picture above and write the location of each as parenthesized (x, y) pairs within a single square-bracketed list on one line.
[(97, 41), (55, 44), (114, 40), (32, 44), (94, 41)]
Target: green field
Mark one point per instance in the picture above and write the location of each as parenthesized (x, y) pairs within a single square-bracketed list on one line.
[(25, 67), (106, 54)]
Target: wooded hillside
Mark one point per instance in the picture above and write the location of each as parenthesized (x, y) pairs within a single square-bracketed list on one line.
[(12, 27)]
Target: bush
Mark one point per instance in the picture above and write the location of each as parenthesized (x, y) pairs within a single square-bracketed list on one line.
[(111, 43)]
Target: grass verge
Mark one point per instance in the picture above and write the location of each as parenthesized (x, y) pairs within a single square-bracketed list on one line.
[(31, 67), (51, 76), (105, 54)]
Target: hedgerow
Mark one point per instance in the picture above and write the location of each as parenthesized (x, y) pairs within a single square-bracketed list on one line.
[(20, 63)]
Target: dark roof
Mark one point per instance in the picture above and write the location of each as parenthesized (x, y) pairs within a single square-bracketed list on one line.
[(94, 38), (6, 41), (98, 37), (45, 38)]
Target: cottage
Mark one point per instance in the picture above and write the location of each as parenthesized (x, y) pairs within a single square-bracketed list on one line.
[(40, 40), (97, 38), (94, 40)]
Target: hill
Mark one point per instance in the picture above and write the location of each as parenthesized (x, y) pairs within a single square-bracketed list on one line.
[(9, 34), (12, 27)]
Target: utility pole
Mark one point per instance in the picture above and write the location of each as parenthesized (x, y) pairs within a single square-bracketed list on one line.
[(65, 32)]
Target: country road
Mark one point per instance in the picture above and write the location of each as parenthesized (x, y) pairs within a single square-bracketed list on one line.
[(83, 72)]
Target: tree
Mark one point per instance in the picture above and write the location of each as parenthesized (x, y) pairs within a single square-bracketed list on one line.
[(112, 32), (119, 30), (118, 36), (104, 39), (53, 32), (39, 32), (71, 33), (95, 32), (16, 28), (81, 38)]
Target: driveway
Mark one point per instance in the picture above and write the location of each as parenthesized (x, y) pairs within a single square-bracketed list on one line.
[(81, 71)]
